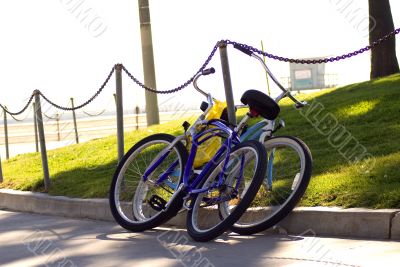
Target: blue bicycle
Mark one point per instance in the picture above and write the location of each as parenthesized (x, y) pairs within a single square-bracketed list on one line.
[(156, 178)]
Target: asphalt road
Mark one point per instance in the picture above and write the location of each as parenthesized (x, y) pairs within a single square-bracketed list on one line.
[(37, 240)]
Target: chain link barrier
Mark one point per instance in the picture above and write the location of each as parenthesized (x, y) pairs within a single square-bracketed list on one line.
[(317, 61), (205, 64), (22, 110), (57, 116), (184, 85), (94, 115), (85, 103), (20, 120)]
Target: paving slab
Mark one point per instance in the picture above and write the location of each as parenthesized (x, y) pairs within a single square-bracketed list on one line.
[(41, 240)]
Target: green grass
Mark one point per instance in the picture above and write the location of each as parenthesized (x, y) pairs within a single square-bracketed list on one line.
[(369, 111)]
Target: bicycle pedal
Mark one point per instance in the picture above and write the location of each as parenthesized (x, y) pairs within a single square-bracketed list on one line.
[(157, 203)]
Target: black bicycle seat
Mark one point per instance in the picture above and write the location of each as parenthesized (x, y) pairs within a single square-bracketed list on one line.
[(261, 103)]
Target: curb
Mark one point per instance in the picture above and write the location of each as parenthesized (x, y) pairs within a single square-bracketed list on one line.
[(355, 222)]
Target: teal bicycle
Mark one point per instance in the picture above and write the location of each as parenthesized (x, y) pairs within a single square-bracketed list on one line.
[(289, 165)]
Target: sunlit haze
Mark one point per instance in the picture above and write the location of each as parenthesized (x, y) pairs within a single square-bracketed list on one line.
[(45, 46)]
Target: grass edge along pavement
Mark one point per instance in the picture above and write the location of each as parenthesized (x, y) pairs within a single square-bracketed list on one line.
[(366, 115)]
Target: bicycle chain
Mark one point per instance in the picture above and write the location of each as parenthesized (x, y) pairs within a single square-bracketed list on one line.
[(317, 61)]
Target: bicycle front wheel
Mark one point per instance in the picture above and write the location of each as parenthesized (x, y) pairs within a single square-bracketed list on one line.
[(139, 204), (242, 176), (288, 174)]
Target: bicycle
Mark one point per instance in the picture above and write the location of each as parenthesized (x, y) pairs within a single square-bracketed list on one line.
[(145, 196), (289, 166), (278, 195)]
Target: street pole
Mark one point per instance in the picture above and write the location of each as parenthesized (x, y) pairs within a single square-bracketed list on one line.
[(152, 115)]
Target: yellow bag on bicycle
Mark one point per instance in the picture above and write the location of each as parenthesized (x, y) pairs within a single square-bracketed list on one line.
[(207, 150)]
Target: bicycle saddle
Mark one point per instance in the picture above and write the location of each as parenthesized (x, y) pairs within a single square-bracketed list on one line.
[(261, 103)]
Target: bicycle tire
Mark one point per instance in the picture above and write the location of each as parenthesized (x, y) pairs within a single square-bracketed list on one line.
[(195, 223), (120, 201), (262, 218)]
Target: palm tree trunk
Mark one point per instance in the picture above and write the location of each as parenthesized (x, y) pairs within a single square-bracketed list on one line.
[(383, 57)]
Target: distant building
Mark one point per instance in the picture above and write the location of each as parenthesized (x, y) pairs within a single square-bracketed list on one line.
[(310, 76)]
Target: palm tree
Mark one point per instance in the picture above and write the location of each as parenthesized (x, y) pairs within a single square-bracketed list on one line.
[(383, 57)]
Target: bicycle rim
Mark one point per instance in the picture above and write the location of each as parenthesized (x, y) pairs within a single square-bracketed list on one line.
[(134, 196), (287, 177), (242, 177)]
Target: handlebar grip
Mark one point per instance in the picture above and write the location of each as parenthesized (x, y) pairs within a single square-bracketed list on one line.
[(208, 71), (243, 49)]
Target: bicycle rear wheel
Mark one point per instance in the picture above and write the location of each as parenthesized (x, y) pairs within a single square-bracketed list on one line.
[(288, 175), (243, 176), (139, 205)]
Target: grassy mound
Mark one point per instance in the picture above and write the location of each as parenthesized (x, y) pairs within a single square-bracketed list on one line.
[(352, 132)]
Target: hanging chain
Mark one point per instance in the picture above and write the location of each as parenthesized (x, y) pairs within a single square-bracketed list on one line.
[(84, 104), (179, 87), (184, 85), (57, 116), (94, 115), (317, 61), (19, 120), (21, 111)]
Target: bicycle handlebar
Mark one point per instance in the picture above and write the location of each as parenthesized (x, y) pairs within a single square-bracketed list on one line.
[(203, 73), (208, 71)]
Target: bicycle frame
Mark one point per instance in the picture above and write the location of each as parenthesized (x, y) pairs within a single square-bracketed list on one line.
[(221, 130), (217, 129)]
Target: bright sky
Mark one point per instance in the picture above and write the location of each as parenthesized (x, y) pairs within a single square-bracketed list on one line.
[(44, 46)]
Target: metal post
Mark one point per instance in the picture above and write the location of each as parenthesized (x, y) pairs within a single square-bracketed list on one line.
[(266, 74), (74, 118), (137, 117), (58, 126), (227, 84), (152, 114), (6, 132), (36, 129), (120, 109), (42, 140), (1, 172)]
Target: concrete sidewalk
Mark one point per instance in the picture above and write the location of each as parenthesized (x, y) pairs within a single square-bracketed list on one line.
[(356, 222), (41, 240)]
